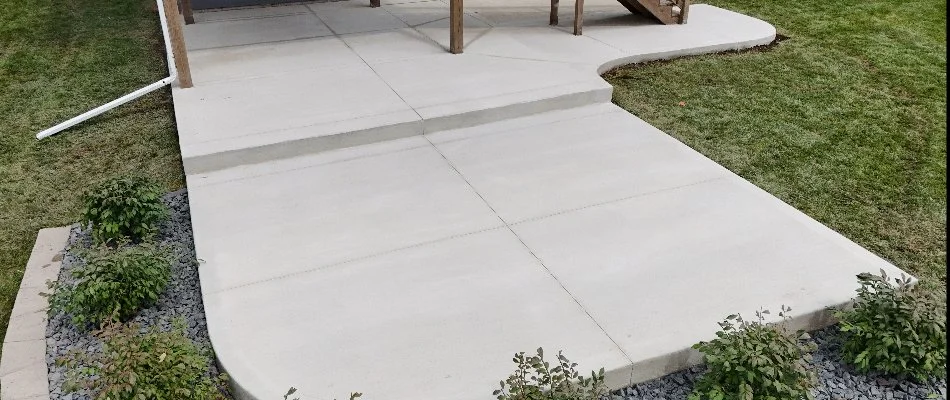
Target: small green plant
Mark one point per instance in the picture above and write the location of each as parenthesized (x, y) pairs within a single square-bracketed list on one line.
[(894, 329), (113, 283), (535, 379), (126, 207), (754, 360), (152, 365), (292, 390)]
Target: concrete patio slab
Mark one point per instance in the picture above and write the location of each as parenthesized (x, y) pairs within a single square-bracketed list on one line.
[(514, 65), (228, 14), (395, 45), (419, 13), (254, 30), (295, 163), (436, 30), (288, 100), (658, 271), (377, 215), (299, 111), (399, 253), (476, 300), (264, 59), (541, 45), (353, 17), (342, 210), (511, 15), (542, 170), (429, 87)]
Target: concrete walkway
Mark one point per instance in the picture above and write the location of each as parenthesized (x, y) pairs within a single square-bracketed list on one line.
[(376, 215)]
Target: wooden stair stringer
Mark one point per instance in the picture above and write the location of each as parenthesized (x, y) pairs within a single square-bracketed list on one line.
[(653, 8)]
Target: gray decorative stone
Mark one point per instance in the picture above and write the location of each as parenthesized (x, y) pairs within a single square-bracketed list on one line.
[(836, 381), (182, 297)]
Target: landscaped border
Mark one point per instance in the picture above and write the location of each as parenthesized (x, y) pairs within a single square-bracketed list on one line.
[(23, 373)]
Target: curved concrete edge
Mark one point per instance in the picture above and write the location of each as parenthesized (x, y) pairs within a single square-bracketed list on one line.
[(767, 36), (616, 378), (245, 381), (673, 54), (23, 373), (669, 363), (800, 319), (222, 358)]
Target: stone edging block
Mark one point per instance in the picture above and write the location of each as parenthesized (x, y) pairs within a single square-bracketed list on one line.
[(23, 374)]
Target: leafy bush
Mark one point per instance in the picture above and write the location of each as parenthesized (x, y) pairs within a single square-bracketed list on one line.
[(144, 366), (751, 359), (125, 207), (894, 329), (292, 390), (536, 380), (113, 284)]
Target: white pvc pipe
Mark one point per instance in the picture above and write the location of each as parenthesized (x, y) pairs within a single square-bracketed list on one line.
[(169, 54), (173, 75)]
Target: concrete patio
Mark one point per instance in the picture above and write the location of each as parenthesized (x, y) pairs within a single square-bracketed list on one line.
[(330, 75), (377, 215)]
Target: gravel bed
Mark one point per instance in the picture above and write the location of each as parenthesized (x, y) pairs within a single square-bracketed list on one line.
[(836, 381), (182, 297)]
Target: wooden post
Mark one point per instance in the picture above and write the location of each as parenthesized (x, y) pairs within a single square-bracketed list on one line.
[(455, 23), (374, 3), (186, 12), (554, 17), (578, 17), (684, 11), (178, 43)]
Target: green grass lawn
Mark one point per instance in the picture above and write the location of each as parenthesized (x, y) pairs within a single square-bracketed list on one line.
[(845, 120), (57, 60)]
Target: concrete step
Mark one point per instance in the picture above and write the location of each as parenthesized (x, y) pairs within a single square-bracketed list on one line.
[(334, 132)]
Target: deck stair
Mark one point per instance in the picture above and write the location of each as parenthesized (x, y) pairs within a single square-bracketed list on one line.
[(668, 12)]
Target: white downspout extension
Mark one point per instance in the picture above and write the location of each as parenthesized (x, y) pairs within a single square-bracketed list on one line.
[(173, 76)]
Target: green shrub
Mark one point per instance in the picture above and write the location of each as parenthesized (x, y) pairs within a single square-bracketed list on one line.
[(894, 329), (144, 366), (113, 284), (535, 379), (125, 207), (292, 390), (751, 359)]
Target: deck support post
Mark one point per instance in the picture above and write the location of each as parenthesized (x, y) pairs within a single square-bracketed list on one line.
[(374, 3), (187, 12), (554, 11), (173, 19), (455, 23), (684, 11), (578, 17)]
